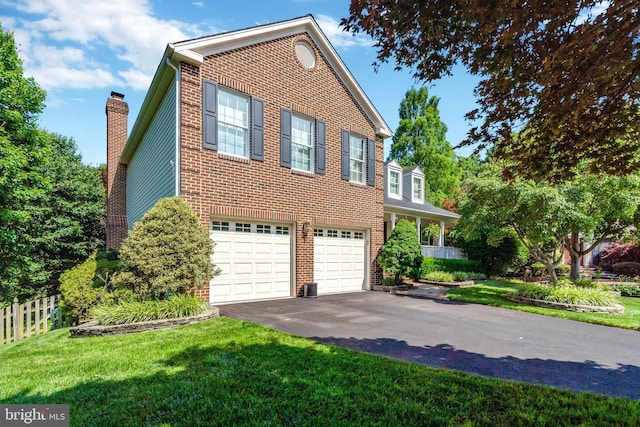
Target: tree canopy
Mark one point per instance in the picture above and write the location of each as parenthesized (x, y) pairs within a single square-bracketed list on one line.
[(564, 75), (547, 218), (420, 140), (51, 205)]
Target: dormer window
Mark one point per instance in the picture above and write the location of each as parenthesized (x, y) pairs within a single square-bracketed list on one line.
[(395, 184), (417, 191)]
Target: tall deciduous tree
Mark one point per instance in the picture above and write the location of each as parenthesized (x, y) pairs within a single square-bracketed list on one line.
[(421, 141), (51, 205), (564, 73)]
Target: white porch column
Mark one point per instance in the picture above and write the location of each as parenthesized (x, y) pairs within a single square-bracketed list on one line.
[(441, 233), (418, 226), (393, 221)]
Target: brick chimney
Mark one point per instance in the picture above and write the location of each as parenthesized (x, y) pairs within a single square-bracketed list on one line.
[(117, 111)]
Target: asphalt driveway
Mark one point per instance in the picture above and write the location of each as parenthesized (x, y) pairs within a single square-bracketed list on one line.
[(479, 339)]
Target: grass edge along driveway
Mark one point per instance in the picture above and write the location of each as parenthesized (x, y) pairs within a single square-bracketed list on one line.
[(493, 292), (227, 372)]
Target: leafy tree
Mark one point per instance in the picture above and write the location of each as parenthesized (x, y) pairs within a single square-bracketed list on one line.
[(51, 205), (22, 151), (604, 207), (563, 73), (168, 251), (401, 254), (537, 214), (421, 141)]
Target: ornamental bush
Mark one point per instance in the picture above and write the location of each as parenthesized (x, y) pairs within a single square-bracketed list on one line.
[(167, 252), (439, 276), (615, 253), (401, 254), (87, 285), (627, 268), (449, 265)]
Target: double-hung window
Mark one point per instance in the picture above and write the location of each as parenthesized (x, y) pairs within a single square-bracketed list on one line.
[(358, 159), (233, 123), (303, 142), (302, 138), (394, 184), (357, 166), (417, 191)]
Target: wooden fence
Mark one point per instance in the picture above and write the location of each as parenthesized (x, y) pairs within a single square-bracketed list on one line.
[(19, 321)]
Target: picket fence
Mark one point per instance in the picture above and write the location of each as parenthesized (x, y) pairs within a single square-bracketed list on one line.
[(19, 321)]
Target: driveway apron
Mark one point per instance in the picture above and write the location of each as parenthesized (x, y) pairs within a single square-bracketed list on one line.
[(483, 340)]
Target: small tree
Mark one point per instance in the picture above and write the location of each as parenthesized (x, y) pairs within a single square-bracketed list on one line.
[(402, 253), (168, 251)]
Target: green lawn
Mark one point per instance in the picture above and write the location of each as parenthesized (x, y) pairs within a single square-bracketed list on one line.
[(226, 372), (492, 292)]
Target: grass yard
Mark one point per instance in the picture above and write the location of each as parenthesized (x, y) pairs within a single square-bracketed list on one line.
[(226, 372), (493, 292)]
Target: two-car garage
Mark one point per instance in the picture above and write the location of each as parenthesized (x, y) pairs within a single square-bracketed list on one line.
[(256, 260)]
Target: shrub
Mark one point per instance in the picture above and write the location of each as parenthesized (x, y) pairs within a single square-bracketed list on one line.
[(449, 265), (439, 276), (507, 255), (627, 268), (615, 253), (477, 276), (401, 254), (140, 311), (627, 290), (87, 284), (538, 268), (563, 270), (388, 281), (566, 294), (167, 252), (460, 276)]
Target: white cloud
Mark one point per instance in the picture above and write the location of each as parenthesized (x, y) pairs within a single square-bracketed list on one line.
[(338, 37), (199, 4), (99, 42)]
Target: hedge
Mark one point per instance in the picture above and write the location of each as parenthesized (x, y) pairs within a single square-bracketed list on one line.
[(430, 265)]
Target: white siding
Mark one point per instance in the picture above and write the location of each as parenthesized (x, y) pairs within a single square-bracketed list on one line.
[(151, 171)]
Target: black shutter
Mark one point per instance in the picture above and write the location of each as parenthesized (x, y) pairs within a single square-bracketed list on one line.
[(321, 147), (371, 162), (285, 138), (257, 129), (345, 154), (209, 115)]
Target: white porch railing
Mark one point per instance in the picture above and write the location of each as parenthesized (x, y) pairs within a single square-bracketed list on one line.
[(447, 252)]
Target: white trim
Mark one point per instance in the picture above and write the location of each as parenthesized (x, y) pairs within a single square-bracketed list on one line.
[(363, 141)]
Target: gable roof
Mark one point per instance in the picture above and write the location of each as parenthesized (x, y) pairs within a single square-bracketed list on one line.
[(194, 51)]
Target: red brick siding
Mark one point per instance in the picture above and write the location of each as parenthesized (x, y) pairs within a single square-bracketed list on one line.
[(117, 111), (216, 185)]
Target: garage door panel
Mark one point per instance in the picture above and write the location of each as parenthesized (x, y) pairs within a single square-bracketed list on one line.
[(264, 268), (254, 265), (339, 261)]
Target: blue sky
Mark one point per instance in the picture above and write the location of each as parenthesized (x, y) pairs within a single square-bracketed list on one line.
[(79, 51)]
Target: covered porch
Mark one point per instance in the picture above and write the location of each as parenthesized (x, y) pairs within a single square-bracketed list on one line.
[(431, 228)]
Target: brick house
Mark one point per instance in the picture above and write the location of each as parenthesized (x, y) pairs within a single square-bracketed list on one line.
[(269, 138)]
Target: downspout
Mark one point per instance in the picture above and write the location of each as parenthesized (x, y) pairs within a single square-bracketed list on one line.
[(177, 164)]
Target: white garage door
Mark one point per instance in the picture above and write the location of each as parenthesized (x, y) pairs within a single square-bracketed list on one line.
[(254, 259), (339, 260)]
